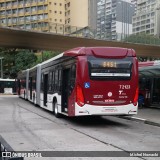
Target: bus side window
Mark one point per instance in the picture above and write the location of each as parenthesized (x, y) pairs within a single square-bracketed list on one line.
[(42, 82), (1, 87), (59, 80), (24, 83), (72, 78), (50, 82), (56, 80), (34, 82), (53, 81)]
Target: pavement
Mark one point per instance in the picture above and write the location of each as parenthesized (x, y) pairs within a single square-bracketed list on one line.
[(147, 115)]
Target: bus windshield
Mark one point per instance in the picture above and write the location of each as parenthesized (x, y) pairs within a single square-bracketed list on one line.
[(111, 69)]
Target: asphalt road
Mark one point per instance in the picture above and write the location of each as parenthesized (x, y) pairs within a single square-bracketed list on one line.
[(26, 127)]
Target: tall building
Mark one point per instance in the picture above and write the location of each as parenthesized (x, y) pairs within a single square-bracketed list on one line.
[(45, 15), (135, 3), (146, 20), (114, 18), (93, 14)]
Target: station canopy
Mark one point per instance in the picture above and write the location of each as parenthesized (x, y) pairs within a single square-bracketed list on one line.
[(149, 69)]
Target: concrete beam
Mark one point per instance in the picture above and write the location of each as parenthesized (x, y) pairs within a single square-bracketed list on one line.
[(16, 38)]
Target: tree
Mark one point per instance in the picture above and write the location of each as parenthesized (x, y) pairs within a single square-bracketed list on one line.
[(48, 54), (16, 60), (143, 39), (23, 59), (8, 55), (45, 55), (144, 59)]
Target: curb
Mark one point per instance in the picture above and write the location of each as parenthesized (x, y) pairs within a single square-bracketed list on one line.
[(145, 121), (152, 123), (154, 107), (133, 118)]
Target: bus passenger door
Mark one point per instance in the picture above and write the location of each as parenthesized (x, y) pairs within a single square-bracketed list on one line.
[(30, 87), (156, 91), (65, 89), (19, 87), (45, 89)]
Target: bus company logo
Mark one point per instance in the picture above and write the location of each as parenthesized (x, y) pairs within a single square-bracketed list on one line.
[(87, 85), (6, 154), (120, 92), (109, 94)]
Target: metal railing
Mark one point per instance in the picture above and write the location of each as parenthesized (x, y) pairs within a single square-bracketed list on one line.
[(85, 32)]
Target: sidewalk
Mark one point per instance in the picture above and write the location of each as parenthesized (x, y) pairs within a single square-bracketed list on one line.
[(150, 115)]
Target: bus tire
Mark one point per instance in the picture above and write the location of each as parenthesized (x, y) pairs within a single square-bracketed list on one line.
[(55, 105), (24, 95)]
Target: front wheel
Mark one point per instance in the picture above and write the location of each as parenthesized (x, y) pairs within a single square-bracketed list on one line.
[(56, 110)]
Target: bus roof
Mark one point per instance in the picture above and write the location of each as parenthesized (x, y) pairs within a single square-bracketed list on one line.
[(149, 63), (7, 79), (34, 67), (52, 59), (149, 68), (110, 52)]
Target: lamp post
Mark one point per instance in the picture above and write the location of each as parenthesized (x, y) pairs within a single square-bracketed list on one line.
[(1, 58)]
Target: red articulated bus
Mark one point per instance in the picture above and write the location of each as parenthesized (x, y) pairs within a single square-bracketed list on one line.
[(149, 83), (86, 81)]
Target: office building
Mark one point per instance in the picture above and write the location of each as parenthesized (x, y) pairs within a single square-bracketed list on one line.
[(146, 20), (135, 4), (114, 19), (45, 15)]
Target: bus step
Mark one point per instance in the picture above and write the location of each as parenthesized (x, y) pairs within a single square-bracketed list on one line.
[(64, 113)]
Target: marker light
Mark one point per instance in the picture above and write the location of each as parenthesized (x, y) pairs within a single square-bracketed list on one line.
[(79, 96), (135, 98)]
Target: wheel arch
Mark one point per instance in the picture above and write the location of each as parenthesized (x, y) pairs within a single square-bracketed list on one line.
[(54, 99)]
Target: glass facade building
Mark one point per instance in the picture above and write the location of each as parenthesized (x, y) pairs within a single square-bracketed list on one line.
[(114, 19)]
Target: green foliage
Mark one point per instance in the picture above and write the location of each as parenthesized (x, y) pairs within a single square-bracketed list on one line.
[(16, 60), (8, 60), (23, 59), (143, 38), (48, 54), (45, 55), (144, 59)]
